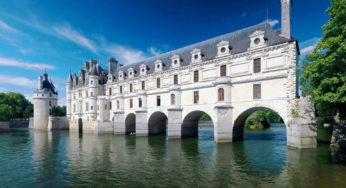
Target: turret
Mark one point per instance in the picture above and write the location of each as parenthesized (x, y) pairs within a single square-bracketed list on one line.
[(68, 95), (40, 83), (93, 91), (286, 18)]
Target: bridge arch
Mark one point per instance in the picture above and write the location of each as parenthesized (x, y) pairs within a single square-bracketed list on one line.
[(130, 123), (157, 123), (239, 120), (189, 127)]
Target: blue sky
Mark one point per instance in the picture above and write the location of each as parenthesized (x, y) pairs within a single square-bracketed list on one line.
[(61, 35)]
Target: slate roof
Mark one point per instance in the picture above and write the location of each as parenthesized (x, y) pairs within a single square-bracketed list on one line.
[(239, 42)]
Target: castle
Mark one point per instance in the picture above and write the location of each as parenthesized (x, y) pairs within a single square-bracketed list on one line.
[(227, 77)]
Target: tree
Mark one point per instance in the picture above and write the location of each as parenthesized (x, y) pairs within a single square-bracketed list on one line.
[(324, 70), (15, 106), (58, 111)]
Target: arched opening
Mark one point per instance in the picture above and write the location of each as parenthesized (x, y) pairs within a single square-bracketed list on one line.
[(80, 125), (130, 124), (157, 124), (256, 119), (195, 123)]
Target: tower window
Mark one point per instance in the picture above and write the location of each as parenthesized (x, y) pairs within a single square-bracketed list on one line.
[(91, 82), (256, 91), (110, 91), (158, 83), (158, 101), (172, 99), (139, 102), (221, 94), (105, 107), (131, 103), (257, 65), (91, 93), (195, 97), (131, 88), (223, 70), (195, 76), (91, 107), (50, 103), (143, 85), (110, 105), (118, 105), (175, 79), (121, 89)]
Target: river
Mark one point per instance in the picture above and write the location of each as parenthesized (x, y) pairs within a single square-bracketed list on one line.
[(62, 159)]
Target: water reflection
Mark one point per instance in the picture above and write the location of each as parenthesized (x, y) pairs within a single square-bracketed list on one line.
[(68, 159)]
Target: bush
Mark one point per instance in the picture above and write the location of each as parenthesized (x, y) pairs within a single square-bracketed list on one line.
[(58, 111)]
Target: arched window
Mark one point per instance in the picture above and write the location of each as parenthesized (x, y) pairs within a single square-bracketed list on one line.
[(221, 94), (118, 105), (131, 87), (172, 99), (158, 83), (139, 102), (121, 89), (110, 91)]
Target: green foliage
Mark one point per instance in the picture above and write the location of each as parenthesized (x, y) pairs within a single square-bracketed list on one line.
[(58, 111), (14, 106), (205, 117), (324, 70), (262, 119), (294, 113)]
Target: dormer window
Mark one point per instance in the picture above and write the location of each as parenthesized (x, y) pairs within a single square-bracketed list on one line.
[(257, 39), (175, 61), (121, 75), (143, 69), (196, 55), (131, 72), (223, 48), (158, 65)]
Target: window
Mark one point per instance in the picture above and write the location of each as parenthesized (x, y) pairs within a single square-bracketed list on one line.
[(50, 94), (195, 57), (91, 107), (158, 82), (86, 106), (175, 79), (118, 105), (158, 101), (139, 102), (221, 94), (223, 70), (131, 87), (121, 89), (257, 41), (256, 91), (74, 107), (50, 103), (50, 111), (86, 93), (223, 49), (91, 93), (80, 94), (105, 107), (110, 105), (172, 99), (74, 96), (98, 107), (195, 97), (131, 103), (110, 91), (257, 65), (143, 85), (195, 76), (91, 82)]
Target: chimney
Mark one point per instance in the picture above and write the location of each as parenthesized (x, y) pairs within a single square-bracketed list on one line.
[(40, 83), (286, 18), (112, 65)]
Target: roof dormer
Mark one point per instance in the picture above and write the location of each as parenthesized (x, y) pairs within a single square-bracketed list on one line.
[(196, 55), (143, 69), (257, 39), (131, 72), (120, 75), (175, 61), (158, 65), (223, 48)]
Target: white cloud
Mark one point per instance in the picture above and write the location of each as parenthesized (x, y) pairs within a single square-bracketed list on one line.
[(25, 51), (12, 62), (309, 45), (71, 34), (154, 51), (126, 55), (273, 22), (18, 81), (6, 27)]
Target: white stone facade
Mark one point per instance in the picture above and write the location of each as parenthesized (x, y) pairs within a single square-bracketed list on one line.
[(172, 90)]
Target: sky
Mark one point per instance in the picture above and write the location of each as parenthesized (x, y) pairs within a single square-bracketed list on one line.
[(59, 35)]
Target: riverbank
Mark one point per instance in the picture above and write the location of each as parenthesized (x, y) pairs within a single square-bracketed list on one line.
[(4, 126)]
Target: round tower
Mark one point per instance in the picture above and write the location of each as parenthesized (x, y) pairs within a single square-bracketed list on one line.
[(93, 91), (45, 97), (68, 95)]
